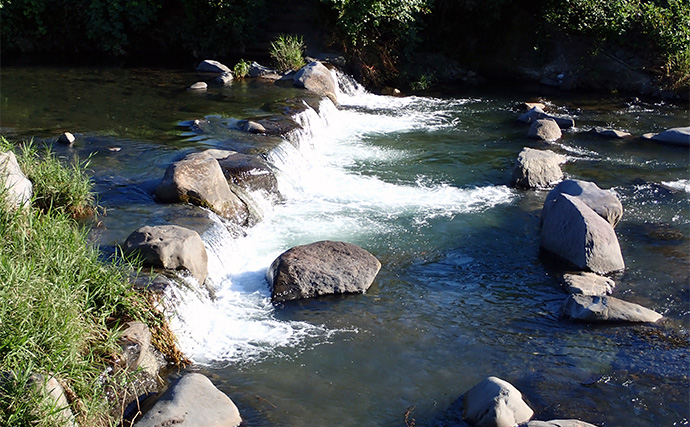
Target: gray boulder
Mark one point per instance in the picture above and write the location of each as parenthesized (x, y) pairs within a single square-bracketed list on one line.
[(137, 351), (225, 78), (198, 179), (212, 66), (557, 423), (609, 133), (318, 79), (675, 136), (171, 247), (249, 172), (192, 401), (258, 70), (544, 130), (604, 202), (251, 126), (537, 168), (586, 283), (14, 185), (199, 86), (537, 113), (495, 403), (606, 309), (321, 268), (574, 232)]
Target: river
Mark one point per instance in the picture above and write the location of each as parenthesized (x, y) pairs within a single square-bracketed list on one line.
[(422, 182)]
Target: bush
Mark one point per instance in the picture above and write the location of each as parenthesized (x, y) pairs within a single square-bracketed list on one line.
[(288, 52), (241, 69)]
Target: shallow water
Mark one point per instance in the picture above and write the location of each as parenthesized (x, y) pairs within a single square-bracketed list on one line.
[(422, 183)]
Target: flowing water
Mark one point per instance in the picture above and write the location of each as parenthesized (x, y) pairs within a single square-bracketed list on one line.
[(422, 183)]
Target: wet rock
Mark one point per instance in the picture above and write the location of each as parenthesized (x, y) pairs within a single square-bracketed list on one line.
[(321, 268), (557, 423), (137, 351), (606, 309), (193, 400), (251, 126), (249, 172), (675, 136), (258, 70), (170, 247), (537, 113), (198, 179), (199, 86), (575, 233), (495, 403), (14, 184), (318, 79), (604, 202), (537, 168), (585, 283), (54, 398), (224, 79), (212, 66), (609, 133), (66, 139), (526, 106), (545, 130), (390, 91)]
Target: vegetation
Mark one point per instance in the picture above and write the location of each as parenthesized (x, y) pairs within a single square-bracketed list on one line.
[(60, 305), (241, 69), (288, 52)]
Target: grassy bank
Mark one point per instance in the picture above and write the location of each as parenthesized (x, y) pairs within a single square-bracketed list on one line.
[(60, 305)]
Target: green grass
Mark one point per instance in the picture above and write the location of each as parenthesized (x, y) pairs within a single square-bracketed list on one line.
[(60, 304), (288, 52)]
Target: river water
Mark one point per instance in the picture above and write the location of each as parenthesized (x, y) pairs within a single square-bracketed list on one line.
[(422, 183)]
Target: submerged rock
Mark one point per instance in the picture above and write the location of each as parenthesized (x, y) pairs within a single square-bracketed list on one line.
[(14, 184), (66, 139), (557, 423), (537, 168), (606, 309), (675, 136), (609, 133), (192, 400), (199, 86), (575, 233), (585, 283), (537, 113), (251, 126), (545, 130), (318, 79), (495, 403), (604, 202), (321, 268), (171, 247)]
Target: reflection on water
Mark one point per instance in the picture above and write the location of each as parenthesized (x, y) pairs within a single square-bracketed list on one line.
[(463, 292)]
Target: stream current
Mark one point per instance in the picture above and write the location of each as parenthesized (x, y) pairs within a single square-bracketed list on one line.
[(422, 183)]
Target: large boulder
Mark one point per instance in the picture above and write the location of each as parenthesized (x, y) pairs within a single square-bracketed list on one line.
[(675, 136), (171, 247), (586, 283), (603, 202), (198, 179), (212, 66), (544, 130), (249, 172), (192, 400), (321, 268), (318, 79), (14, 185), (606, 309), (537, 113), (574, 232), (557, 423), (537, 168), (495, 403)]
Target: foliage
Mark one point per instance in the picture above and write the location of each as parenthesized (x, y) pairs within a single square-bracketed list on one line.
[(241, 69), (288, 52)]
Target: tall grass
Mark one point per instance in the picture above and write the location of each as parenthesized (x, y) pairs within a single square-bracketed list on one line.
[(288, 52), (60, 304)]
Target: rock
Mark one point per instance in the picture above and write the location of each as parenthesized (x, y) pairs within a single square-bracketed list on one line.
[(537, 168), (318, 79), (171, 247), (251, 126), (258, 70), (526, 106), (211, 66), (14, 184), (574, 232), (249, 172), (137, 351), (537, 113), (545, 130), (606, 309), (67, 139), (193, 400), (675, 136), (198, 179), (199, 86), (495, 403), (609, 133), (333, 58), (391, 91), (604, 202), (224, 79), (557, 423), (321, 268), (55, 400), (585, 283)]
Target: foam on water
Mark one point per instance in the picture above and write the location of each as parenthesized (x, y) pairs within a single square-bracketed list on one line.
[(323, 200)]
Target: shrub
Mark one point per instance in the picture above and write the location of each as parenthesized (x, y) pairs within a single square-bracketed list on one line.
[(241, 69), (288, 52)]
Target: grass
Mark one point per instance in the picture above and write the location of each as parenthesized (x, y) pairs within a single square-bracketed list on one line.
[(60, 305), (288, 52)]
